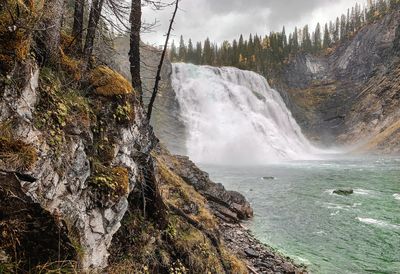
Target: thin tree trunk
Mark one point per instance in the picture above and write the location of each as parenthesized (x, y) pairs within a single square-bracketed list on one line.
[(52, 17), (134, 52), (77, 29), (158, 76), (94, 17)]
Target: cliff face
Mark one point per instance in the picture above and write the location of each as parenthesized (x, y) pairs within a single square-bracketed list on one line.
[(350, 94)]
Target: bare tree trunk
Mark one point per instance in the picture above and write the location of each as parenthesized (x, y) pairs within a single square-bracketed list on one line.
[(77, 29), (158, 76), (52, 17), (134, 52), (94, 17)]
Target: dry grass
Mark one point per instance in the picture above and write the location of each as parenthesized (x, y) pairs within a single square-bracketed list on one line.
[(17, 155), (177, 192), (109, 83)]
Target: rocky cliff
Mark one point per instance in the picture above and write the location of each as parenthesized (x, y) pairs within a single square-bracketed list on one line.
[(350, 94), (85, 185)]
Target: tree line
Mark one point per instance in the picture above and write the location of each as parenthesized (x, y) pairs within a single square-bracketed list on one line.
[(268, 53)]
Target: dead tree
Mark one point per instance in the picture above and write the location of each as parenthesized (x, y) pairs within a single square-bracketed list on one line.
[(77, 28), (158, 76), (134, 52)]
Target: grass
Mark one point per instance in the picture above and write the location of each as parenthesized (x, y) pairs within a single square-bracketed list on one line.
[(15, 154)]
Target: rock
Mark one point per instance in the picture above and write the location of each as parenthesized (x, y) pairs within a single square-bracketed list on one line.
[(343, 191), (231, 204), (268, 178), (251, 253)]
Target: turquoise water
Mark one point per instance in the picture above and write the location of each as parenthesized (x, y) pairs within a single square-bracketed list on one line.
[(298, 214)]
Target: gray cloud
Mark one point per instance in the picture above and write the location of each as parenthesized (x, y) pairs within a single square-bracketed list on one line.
[(227, 19)]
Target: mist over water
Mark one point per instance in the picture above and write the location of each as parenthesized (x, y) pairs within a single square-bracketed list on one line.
[(234, 117)]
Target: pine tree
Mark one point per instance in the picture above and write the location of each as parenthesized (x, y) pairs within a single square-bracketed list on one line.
[(306, 44), (182, 50), (327, 38), (207, 57), (198, 54), (190, 52), (317, 38), (173, 56)]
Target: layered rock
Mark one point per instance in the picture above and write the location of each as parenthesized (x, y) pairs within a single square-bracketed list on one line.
[(348, 95)]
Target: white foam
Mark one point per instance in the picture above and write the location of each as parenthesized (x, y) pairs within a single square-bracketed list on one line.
[(379, 223), (361, 191), (396, 196)]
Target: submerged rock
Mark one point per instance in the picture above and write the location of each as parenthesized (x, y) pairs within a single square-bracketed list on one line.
[(343, 191)]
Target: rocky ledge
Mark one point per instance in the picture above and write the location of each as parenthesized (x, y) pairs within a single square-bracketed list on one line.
[(231, 208)]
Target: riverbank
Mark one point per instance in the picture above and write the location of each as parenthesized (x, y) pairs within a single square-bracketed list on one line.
[(258, 257), (231, 208)]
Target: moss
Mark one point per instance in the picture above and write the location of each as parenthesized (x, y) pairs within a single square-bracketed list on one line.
[(111, 182), (14, 153), (17, 20), (66, 40), (71, 65), (59, 109), (109, 83), (124, 113)]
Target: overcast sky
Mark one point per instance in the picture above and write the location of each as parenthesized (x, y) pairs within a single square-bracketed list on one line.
[(226, 19)]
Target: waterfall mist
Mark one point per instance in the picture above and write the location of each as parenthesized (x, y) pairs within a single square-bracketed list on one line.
[(234, 117)]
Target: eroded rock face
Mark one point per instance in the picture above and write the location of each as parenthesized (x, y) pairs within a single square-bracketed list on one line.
[(351, 94), (27, 230), (61, 186), (228, 205)]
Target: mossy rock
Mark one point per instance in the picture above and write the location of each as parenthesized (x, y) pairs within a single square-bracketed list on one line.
[(109, 183), (109, 83)]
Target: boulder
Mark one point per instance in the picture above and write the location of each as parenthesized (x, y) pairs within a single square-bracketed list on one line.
[(343, 191)]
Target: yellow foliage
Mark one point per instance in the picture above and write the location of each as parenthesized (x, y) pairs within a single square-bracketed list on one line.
[(71, 65), (108, 82)]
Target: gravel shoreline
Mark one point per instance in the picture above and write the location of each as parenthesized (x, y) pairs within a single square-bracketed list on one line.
[(259, 257)]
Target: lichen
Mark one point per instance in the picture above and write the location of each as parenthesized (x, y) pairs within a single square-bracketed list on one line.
[(109, 83)]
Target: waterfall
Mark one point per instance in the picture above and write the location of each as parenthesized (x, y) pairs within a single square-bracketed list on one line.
[(234, 117)]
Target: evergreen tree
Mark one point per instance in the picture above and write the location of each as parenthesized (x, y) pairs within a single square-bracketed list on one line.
[(182, 50), (173, 56), (317, 38), (190, 53), (327, 38), (306, 44), (198, 54), (207, 57)]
